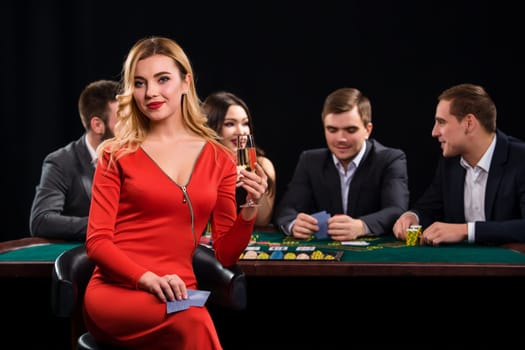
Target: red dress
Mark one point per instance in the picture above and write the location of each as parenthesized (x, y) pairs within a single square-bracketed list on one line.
[(140, 220)]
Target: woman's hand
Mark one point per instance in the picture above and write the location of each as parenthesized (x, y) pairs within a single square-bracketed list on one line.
[(167, 287), (254, 182), (239, 176)]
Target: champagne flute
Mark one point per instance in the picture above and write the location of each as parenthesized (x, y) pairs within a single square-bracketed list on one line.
[(246, 159)]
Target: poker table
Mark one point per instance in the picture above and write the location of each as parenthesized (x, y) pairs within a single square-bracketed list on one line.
[(381, 293), (382, 256)]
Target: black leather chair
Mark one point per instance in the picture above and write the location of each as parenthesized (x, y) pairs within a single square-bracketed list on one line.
[(72, 270)]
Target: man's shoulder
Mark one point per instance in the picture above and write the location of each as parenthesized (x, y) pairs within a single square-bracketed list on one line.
[(509, 146), (315, 153), (379, 148), (516, 142), (314, 156), (66, 152)]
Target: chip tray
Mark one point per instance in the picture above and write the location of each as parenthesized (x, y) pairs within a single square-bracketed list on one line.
[(292, 254)]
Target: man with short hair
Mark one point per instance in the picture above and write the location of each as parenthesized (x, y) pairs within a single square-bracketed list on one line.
[(478, 191), (360, 183), (61, 204)]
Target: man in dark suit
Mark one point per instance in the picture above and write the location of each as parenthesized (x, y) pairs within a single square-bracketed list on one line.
[(478, 191), (362, 184), (60, 207)]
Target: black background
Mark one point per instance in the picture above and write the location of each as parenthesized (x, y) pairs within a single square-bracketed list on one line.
[(281, 57)]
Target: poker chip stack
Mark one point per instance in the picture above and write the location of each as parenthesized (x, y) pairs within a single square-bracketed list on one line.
[(413, 233)]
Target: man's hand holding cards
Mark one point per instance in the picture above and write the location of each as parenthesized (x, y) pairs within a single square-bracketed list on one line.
[(322, 221)]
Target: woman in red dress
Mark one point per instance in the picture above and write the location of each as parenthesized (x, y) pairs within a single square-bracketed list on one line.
[(157, 183)]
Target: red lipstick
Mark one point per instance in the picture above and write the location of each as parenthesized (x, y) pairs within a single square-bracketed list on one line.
[(155, 105)]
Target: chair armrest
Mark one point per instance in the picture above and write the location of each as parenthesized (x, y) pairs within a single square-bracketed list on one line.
[(226, 284), (70, 276), (72, 271)]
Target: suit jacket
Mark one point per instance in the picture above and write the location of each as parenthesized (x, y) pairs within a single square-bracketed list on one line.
[(61, 204), (504, 195), (378, 192)]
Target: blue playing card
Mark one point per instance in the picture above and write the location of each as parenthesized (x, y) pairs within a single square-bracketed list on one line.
[(177, 305), (195, 298), (198, 297), (322, 221)]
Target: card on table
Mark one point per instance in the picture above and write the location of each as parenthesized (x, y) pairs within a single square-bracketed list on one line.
[(356, 243), (195, 298), (322, 221)]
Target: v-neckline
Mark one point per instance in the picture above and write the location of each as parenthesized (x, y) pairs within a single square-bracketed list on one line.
[(169, 177)]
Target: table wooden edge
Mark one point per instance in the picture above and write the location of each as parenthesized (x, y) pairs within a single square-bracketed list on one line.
[(292, 268), (25, 242), (16, 269), (370, 269)]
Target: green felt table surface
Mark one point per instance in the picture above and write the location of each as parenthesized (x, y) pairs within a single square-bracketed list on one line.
[(388, 249), (380, 249), (38, 252)]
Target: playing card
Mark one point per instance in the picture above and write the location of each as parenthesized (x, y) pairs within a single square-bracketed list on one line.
[(322, 221), (177, 305), (195, 298), (198, 297)]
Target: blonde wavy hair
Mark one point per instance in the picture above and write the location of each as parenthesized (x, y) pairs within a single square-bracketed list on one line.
[(132, 125)]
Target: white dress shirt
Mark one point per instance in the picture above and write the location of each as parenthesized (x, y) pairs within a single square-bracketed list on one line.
[(346, 177), (474, 191)]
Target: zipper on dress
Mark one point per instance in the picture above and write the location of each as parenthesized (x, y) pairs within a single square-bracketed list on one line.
[(186, 199)]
